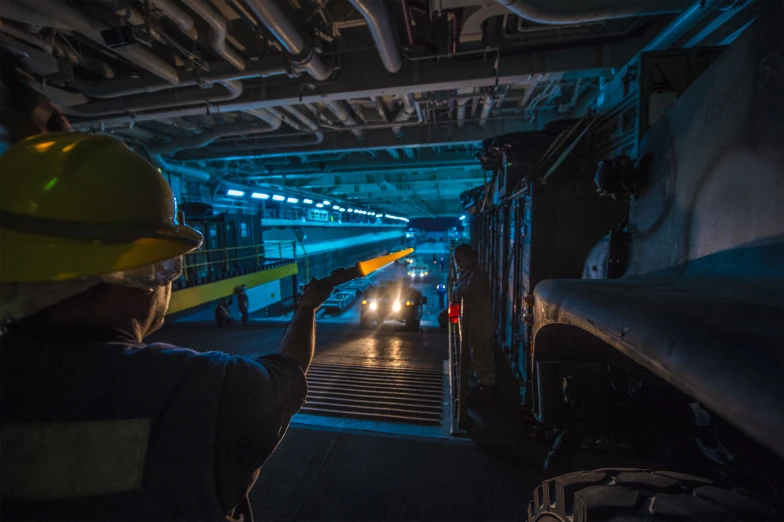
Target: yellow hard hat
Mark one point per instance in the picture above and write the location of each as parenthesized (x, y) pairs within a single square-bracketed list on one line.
[(77, 205)]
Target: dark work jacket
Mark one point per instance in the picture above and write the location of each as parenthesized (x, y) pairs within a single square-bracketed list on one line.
[(96, 426)]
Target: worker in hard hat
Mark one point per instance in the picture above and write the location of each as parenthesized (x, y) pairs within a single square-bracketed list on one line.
[(473, 288), (95, 423)]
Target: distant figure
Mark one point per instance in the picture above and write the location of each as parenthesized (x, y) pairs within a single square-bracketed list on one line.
[(222, 313), (474, 288), (441, 264), (242, 303)]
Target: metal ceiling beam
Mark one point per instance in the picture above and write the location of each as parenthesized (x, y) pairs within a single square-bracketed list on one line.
[(418, 136), (352, 178), (363, 76)]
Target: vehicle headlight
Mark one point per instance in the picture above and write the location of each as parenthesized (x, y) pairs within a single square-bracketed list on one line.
[(373, 306), (412, 274), (396, 307), (421, 274), (364, 301)]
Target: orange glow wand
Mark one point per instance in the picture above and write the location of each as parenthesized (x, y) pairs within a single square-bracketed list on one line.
[(361, 269)]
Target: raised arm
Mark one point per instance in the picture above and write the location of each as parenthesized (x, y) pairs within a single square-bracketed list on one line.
[(299, 342)]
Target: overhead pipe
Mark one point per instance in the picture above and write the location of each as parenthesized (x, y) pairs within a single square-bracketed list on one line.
[(218, 31), (285, 118), (18, 12), (549, 12), (177, 15), (209, 136), (409, 106), (462, 101), (487, 106), (91, 28), (129, 86), (298, 114), (290, 37), (342, 113), (181, 170), (218, 153), (131, 15), (56, 49), (267, 117), (192, 96), (380, 26)]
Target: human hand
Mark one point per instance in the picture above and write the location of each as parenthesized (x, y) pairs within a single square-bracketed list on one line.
[(316, 292)]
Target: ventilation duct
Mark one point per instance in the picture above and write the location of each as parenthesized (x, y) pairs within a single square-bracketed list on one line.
[(380, 26), (577, 12), (285, 32)]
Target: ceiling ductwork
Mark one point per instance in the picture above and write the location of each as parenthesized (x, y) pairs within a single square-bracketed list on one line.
[(289, 36), (73, 18), (209, 136), (218, 31), (130, 87), (584, 11), (339, 109), (178, 16), (375, 14), (409, 107), (224, 91)]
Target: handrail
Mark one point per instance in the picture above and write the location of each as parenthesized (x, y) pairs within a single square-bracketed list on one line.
[(250, 256)]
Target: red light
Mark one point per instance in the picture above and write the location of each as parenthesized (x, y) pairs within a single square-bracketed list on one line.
[(454, 312)]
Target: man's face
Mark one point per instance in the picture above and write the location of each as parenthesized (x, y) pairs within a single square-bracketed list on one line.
[(159, 301), (461, 260)]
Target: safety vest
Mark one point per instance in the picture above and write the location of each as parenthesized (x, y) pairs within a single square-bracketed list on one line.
[(109, 431)]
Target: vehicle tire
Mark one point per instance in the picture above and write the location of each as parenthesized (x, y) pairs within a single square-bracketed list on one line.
[(412, 325), (620, 494), (364, 322)]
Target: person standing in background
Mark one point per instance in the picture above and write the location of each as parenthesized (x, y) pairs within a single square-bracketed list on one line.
[(473, 288), (242, 303)]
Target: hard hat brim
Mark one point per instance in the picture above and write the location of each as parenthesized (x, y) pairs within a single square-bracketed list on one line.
[(28, 257)]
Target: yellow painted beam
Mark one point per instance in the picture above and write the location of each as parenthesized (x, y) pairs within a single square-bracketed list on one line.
[(200, 294)]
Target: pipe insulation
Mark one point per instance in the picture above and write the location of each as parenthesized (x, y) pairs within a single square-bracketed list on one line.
[(290, 37), (487, 106), (218, 31), (375, 14), (212, 134), (583, 11), (218, 74), (404, 114), (190, 173), (341, 111), (63, 12), (178, 16), (224, 91)]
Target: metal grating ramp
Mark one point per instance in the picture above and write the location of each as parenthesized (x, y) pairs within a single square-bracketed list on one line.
[(375, 392)]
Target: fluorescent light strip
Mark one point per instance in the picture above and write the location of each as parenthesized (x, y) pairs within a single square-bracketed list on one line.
[(319, 205), (307, 201), (259, 195), (236, 193), (292, 200), (278, 198)]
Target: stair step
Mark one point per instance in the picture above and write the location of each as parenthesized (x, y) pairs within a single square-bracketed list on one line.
[(333, 384), (381, 396), (372, 416), (431, 374), (343, 402), (373, 380)]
